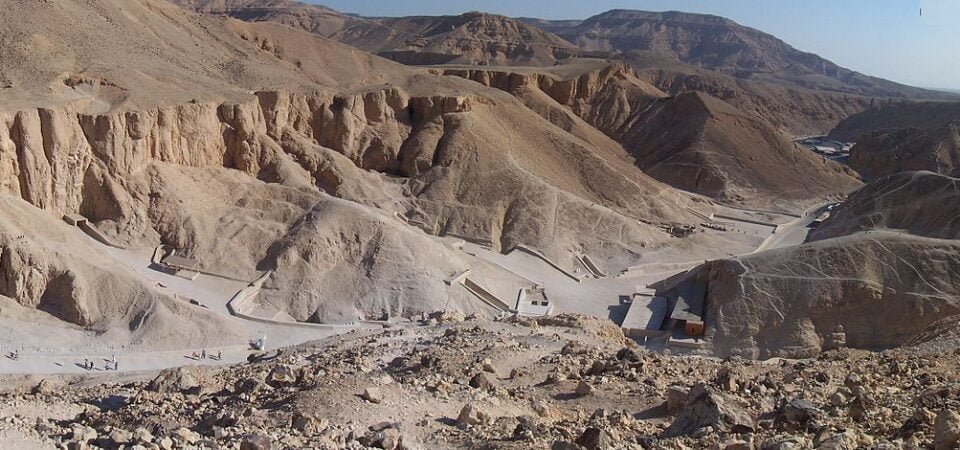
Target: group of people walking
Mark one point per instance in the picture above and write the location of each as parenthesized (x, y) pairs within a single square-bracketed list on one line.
[(111, 364)]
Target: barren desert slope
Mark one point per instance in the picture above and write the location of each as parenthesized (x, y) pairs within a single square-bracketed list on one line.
[(239, 145)]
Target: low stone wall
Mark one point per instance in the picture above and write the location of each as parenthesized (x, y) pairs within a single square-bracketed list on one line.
[(485, 295), (549, 261)]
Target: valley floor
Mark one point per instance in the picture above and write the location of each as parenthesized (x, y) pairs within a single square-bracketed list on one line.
[(58, 351)]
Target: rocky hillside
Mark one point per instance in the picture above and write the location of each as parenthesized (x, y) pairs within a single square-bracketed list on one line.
[(565, 382), (919, 203), (311, 17), (790, 302), (471, 38), (900, 115), (796, 110), (884, 153), (797, 92), (691, 141), (904, 136), (884, 260)]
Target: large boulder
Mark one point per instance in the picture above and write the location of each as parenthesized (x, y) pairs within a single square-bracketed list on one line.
[(186, 380), (708, 407)]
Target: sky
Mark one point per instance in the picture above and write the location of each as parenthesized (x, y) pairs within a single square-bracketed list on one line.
[(884, 38)]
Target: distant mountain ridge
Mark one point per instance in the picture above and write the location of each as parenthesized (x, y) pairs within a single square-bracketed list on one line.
[(722, 45), (700, 40)]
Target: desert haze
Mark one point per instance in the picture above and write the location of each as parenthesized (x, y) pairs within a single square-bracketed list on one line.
[(264, 224)]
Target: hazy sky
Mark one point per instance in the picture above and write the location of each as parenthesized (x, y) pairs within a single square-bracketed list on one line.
[(886, 38)]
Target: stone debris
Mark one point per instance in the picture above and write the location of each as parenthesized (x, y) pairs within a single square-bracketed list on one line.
[(440, 397), (372, 395)]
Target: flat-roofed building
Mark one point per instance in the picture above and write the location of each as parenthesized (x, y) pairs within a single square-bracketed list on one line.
[(182, 266)]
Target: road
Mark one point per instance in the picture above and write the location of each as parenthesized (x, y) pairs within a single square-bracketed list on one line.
[(794, 232)]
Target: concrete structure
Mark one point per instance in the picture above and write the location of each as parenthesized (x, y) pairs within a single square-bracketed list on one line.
[(645, 317), (74, 219), (532, 301), (84, 225), (484, 295), (688, 307), (591, 266), (181, 266)]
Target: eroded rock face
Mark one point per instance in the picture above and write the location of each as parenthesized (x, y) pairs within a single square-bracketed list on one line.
[(789, 302), (40, 281), (888, 152), (693, 141), (705, 407), (54, 154), (920, 203)]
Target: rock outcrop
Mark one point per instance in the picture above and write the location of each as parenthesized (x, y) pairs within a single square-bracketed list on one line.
[(883, 288), (884, 153), (919, 203)]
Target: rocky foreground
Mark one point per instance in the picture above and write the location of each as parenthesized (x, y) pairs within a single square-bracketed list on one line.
[(565, 382)]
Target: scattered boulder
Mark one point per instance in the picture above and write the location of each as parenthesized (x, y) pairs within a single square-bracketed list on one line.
[(786, 443), (488, 366), (142, 436), (574, 348), (596, 439), (307, 423), (676, 398), (187, 380), (584, 388), (471, 416), (256, 441), (388, 439), (737, 445), (447, 316), (705, 407), (728, 379), (480, 381), (839, 441), (184, 436), (565, 445), (946, 430), (799, 412), (282, 375), (82, 433), (372, 395), (121, 437), (44, 387)]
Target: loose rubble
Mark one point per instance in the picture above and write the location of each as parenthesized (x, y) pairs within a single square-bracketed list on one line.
[(574, 383)]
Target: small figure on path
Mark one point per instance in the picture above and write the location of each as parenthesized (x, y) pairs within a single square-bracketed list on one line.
[(219, 355), (203, 354)]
